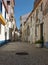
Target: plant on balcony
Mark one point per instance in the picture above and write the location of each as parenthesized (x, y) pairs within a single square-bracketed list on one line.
[(39, 43)]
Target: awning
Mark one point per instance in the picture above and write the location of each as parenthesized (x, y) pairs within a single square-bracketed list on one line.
[(2, 20)]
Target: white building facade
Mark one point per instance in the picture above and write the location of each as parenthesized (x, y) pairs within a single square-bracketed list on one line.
[(7, 22), (3, 13)]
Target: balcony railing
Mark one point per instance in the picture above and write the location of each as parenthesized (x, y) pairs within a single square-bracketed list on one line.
[(2, 20)]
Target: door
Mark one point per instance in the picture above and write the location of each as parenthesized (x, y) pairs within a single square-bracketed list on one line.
[(41, 34), (5, 35), (41, 31)]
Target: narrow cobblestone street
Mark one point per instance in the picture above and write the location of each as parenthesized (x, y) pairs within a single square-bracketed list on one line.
[(34, 56)]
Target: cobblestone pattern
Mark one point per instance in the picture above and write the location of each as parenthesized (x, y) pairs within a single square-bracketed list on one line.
[(36, 56)]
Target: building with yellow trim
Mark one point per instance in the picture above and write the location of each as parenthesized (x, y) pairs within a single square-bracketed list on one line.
[(7, 20), (3, 13), (2, 20)]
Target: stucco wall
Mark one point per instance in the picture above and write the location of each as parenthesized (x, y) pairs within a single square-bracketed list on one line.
[(46, 28)]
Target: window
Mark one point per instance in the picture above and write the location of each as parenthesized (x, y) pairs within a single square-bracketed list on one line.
[(45, 9), (21, 25), (31, 22), (41, 6), (0, 6), (35, 31), (28, 31), (37, 12), (8, 2), (5, 14), (31, 18), (0, 28)]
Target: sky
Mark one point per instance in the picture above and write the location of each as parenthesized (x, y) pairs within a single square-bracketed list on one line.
[(22, 7)]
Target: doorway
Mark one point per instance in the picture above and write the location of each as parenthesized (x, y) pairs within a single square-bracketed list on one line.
[(41, 34), (5, 35), (41, 31)]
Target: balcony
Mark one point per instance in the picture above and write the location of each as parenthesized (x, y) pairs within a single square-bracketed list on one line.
[(2, 20)]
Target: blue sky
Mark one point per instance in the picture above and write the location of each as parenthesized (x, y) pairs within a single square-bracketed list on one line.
[(22, 7)]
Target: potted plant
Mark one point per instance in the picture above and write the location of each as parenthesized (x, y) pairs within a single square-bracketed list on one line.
[(39, 43)]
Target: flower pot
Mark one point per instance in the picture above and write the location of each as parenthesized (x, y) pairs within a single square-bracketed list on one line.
[(38, 45)]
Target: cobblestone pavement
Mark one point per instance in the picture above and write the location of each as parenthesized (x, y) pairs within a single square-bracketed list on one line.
[(35, 56)]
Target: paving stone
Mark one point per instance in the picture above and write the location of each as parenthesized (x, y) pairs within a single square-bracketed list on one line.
[(36, 56)]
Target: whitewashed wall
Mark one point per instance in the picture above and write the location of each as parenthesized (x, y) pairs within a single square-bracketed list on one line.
[(2, 35)]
